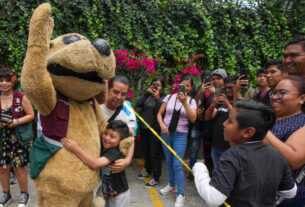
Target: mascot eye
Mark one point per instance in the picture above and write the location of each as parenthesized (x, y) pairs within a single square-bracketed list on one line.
[(101, 46), (70, 39)]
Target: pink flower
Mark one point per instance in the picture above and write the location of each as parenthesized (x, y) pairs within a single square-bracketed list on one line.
[(130, 95)]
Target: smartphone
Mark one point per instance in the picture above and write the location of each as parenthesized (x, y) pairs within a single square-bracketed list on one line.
[(244, 71), (154, 86), (207, 79), (181, 88), (218, 91)]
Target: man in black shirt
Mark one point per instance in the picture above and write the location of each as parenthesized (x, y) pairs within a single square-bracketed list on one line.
[(275, 73), (219, 112)]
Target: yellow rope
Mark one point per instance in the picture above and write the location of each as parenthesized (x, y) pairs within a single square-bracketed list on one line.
[(168, 147)]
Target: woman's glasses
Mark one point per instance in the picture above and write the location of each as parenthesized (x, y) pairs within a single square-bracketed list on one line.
[(281, 93)]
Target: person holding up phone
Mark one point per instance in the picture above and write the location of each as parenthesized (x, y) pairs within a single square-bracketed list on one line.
[(178, 109), (149, 105), (262, 84), (218, 111), (196, 133), (244, 77)]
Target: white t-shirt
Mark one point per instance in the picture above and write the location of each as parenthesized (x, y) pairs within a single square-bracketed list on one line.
[(126, 115)]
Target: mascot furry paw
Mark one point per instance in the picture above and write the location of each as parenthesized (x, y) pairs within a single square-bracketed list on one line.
[(65, 79)]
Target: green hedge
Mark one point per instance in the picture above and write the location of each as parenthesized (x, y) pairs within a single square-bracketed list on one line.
[(228, 35)]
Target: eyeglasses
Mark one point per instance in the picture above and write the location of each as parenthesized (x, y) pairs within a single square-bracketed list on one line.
[(281, 93)]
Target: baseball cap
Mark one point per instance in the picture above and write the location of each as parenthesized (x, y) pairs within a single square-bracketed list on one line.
[(221, 72)]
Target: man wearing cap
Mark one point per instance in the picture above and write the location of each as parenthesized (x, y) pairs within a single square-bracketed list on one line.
[(218, 110), (216, 81), (217, 78)]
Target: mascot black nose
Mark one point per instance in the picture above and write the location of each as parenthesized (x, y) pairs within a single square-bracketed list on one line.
[(101, 46)]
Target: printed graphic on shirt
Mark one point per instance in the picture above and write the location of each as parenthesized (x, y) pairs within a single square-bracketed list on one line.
[(108, 189)]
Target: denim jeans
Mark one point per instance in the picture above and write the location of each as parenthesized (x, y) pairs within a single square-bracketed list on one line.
[(177, 141), (216, 154), (195, 138)]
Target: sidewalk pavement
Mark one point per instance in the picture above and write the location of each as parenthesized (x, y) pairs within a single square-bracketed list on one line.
[(139, 195)]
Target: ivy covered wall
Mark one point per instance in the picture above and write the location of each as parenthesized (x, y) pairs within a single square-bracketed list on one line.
[(227, 35)]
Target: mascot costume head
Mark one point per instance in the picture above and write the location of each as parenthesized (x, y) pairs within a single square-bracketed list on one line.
[(66, 80)]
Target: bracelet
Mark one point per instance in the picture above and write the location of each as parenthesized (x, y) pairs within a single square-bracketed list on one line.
[(18, 123)]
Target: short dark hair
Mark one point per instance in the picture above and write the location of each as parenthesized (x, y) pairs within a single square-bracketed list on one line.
[(278, 63), (187, 78), (255, 114), (297, 41), (260, 71), (118, 78), (120, 127), (230, 79)]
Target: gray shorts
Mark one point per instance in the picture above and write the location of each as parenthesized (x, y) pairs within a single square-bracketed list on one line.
[(121, 200)]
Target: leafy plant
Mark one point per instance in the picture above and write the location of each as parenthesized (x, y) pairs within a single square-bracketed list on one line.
[(228, 34)]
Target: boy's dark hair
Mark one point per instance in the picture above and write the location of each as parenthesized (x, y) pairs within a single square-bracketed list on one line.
[(231, 79), (260, 71), (187, 78), (297, 41), (119, 126), (255, 114), (278, 63), (118, 78)]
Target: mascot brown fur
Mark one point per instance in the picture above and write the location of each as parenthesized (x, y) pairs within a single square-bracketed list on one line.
[(78, 69)]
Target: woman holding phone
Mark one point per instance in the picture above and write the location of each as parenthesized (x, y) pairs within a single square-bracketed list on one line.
[(174, 116), (149, 105)]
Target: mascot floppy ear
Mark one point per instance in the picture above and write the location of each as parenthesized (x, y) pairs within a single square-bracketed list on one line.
[(126, 143), (101, 97)]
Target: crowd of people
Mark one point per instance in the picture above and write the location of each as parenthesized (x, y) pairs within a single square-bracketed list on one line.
[(252, 138), (252, 141)]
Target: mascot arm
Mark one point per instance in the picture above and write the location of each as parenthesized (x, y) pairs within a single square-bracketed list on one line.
[(35, 79)]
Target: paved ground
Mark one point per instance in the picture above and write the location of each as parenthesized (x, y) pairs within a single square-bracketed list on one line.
[(139, 195)]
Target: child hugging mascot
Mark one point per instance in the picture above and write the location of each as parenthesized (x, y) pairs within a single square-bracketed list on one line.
[(66, 80)]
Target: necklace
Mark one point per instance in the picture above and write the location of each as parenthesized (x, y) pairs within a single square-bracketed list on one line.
[(7, 97)]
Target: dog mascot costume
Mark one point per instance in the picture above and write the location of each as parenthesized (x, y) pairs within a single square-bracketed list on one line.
[(65, 79)]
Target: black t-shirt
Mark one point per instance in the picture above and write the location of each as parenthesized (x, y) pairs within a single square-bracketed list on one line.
[(149, 107), (199, 123), (113, 183), (250, 174), (206, 127), (263, 97), (218, 141)]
